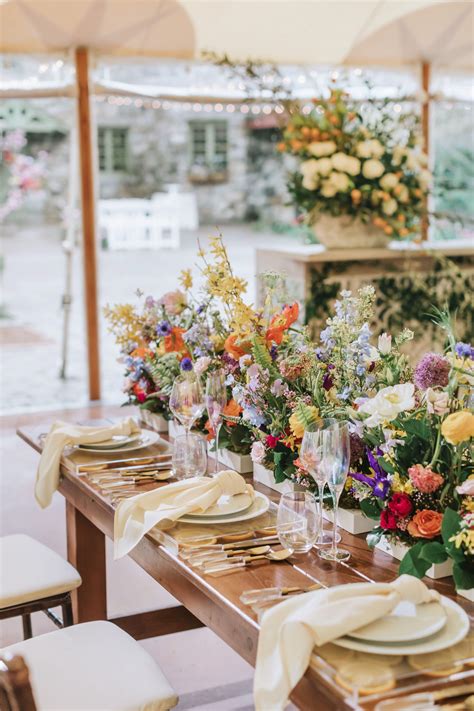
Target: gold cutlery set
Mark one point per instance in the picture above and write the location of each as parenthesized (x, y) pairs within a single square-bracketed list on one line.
[(120, 483)]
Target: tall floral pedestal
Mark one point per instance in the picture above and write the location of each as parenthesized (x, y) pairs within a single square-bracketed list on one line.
[(398, 551), (351, 520), (153, 421), (346, 232), (265, 476)]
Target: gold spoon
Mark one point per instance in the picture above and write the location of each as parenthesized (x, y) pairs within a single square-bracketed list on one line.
[(241, 562)]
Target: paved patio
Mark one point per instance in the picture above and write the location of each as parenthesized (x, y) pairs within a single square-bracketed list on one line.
[(33, 283)]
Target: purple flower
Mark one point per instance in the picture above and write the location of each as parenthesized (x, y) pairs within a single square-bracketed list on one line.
[(327, 381), (163, 328), (464, 350), (149, 302), (273, 352), (186, 364), (432, 370)]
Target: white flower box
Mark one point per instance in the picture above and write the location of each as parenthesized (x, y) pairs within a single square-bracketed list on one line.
[(265, 476), (240, 463), (398, 551), (154, 421), (350, 520), (468, 594)]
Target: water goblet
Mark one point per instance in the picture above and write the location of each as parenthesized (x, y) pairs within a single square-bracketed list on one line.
[(297, 521), (187, 400), (216, 400), (189, 456), (311, 457), (335, 463)]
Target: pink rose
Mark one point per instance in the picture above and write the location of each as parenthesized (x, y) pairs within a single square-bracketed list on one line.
[(174, 302), (257, 453), (424, 479)]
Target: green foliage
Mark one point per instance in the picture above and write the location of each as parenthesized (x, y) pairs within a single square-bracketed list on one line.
[(262, 356), (306, 415), (371, 508), (413, 563)]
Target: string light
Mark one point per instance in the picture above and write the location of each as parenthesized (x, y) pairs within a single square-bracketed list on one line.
[(244, 109), (267, 109), (230, 108), (218, 108)]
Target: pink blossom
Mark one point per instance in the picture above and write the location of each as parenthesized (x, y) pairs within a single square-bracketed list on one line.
[(437, 402), (173, 301), (466, 488), (257, 452), (424, 479)]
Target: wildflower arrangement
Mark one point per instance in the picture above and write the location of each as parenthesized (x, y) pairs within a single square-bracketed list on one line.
[(159, 338), (362, 166), (413, 466)]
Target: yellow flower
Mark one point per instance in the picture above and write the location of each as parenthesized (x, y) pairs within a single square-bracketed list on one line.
[(296, 426), (186, 279), (468, 504), (401, 487), (458, 427)]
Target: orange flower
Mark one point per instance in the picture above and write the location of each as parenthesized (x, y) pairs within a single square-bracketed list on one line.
[(174, 342), (232, 409), (425, 524), (281, 322), (236, 350), (141, 352)]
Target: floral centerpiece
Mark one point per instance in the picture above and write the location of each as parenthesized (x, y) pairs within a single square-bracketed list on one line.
[(361, 179), (414, 461)]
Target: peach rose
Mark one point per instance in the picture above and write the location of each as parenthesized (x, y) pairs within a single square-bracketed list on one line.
[(425, 524)]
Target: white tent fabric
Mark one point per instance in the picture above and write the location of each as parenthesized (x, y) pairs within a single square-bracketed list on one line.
[(282, 31), (442, 35)]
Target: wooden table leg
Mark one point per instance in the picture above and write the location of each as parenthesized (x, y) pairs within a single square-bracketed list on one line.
[(86, 552)]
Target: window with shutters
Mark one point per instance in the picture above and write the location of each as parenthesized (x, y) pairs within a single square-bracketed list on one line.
[(209, 144), (113, 149)]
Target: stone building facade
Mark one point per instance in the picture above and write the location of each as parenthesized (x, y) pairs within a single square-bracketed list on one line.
[(228, 160)]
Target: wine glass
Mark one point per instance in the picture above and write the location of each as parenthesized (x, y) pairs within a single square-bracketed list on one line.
[(187, 400), (311, 457), (297, 521), (216, 400), (335, 464), (189, 456)]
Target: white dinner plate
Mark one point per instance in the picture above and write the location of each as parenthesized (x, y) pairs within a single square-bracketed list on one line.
[(112, 443), (260, 505), (147, 438), (227, 505), (406, 623), (454, 630)]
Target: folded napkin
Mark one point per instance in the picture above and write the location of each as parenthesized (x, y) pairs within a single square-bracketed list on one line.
[(136, 516), (290, 630), (63, 434)]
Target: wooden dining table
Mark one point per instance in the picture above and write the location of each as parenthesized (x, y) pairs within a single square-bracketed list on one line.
[(204, 599)]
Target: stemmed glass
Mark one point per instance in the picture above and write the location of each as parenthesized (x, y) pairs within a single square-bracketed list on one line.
[(187, 400), (216, 400), (335, 464), (311, 457)]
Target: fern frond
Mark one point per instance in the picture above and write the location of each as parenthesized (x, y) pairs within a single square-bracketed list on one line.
[(262, 356), (307, 415)]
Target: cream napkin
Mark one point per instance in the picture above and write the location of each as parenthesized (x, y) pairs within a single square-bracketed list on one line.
[(290, 630), (63, 434), (136, 516)]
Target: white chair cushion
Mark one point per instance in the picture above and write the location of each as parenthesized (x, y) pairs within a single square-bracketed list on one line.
[(31, 571), (94, 666)]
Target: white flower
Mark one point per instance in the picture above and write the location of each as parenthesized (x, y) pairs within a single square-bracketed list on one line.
[(245, 360), (322, 148), (257, 453), (437, 401), (345, 163), (372, 169), (328, 189), (340, 181), (385, 343), (388, 403), (201, 365), (425, 178), (389, 207), (370, 149), (324, 166), (310, 182), (388, 181)]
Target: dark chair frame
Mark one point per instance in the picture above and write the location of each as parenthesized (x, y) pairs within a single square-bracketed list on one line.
[(25, 609)]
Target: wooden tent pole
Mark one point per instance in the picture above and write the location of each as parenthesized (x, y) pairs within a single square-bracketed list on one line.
[(425, 127), (86, 162)]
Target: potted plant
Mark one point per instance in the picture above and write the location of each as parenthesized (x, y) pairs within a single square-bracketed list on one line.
[(361, 178)]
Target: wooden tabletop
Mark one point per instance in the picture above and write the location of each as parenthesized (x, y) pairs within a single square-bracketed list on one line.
[(212, 601)]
